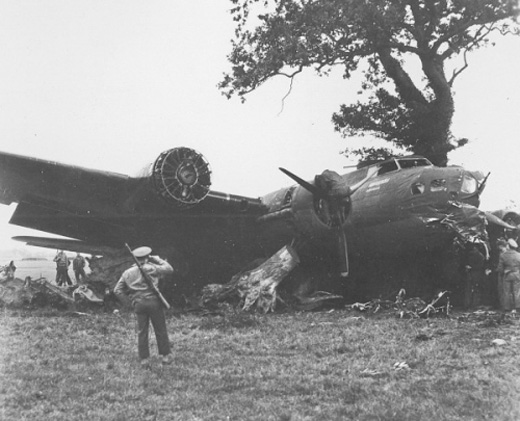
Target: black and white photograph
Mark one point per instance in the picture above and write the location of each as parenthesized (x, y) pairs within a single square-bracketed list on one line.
[(272, 210)]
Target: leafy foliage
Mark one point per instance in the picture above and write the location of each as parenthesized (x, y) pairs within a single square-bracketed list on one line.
[(376, 38)]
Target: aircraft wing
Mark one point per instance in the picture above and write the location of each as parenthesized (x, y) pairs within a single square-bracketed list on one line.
[(65, 244), (102, 208)]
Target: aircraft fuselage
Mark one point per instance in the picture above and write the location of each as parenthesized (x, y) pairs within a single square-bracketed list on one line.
[(395, 211)]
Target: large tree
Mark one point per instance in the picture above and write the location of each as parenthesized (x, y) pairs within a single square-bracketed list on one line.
[(378, 38)]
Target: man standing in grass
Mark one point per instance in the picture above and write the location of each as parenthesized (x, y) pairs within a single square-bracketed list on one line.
[(62, 268), (509, 276), (145, 301), (78, 265)]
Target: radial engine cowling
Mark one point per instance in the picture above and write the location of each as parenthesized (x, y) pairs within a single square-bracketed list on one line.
[(181, 176)]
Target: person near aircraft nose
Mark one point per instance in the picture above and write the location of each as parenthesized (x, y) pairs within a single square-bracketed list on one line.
[(62, 268), (475, 276), (145, 301), (509, 276)]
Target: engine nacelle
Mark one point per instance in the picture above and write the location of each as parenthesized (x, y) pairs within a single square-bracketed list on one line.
[(181, 176)]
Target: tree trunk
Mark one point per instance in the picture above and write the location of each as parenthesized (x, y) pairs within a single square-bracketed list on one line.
[(435, 143), (257, 287), (432, 117)]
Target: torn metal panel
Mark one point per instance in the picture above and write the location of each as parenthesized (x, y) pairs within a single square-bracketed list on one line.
[(16, 292), (83, 292), (408, 307), (54, 290), (13, 292), (315, 300), (468, 222)]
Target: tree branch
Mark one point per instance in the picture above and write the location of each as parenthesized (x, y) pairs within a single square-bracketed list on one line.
[(434, 21), (407, 89), (286, 95), (406, 48), (459, 71), (476, 39), (419, 22), (464, 27)]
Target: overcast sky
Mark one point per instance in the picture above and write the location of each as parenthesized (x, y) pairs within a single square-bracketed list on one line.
[(111, 84)]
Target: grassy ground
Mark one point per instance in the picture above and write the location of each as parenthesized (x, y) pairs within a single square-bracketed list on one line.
[(302, 366)]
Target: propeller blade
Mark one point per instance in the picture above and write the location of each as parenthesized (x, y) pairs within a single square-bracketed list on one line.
[(306, 185), (333, 200), (343, 252)]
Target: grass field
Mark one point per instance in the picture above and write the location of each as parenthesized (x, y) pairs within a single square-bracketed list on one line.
[(337, 365)]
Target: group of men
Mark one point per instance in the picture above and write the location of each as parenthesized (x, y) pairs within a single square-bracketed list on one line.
[(62, 268), (502, 289)]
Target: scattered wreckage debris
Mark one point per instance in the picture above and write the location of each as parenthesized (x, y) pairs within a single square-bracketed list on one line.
[(108, 269), (398, 366), (47, 286), (82, 292), (40, 292), (488, 318), (408, 307), (314, 300), (16, 293), (468, 223)]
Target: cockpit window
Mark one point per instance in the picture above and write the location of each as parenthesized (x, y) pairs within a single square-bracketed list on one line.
[(438, 185), (387, 167), (469, 184), (413, 162), (402, 163)]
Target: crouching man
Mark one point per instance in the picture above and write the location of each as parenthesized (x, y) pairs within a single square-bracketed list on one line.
[(145, 301)]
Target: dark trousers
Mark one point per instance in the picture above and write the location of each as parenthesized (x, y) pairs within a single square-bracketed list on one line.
[(146, 311), (80, 275), (62, 276)]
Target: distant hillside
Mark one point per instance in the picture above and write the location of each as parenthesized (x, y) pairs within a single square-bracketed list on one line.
[(25, 253)]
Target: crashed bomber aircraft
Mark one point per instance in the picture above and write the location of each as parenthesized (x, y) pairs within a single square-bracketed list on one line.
[(390, 209)]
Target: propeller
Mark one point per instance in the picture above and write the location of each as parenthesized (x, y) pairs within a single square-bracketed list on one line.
[(331, 188), (316, 192), (343, 252)]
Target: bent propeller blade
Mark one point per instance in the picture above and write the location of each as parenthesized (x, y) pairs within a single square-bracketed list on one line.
[(343, 252), (306, 185)]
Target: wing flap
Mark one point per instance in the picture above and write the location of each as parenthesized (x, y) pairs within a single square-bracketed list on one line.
[(59, 222)]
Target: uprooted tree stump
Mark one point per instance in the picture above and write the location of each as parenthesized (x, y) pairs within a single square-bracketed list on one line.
[(254, 288)]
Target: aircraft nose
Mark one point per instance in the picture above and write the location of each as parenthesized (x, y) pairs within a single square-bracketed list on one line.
[(453, 183), (469, 189)]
